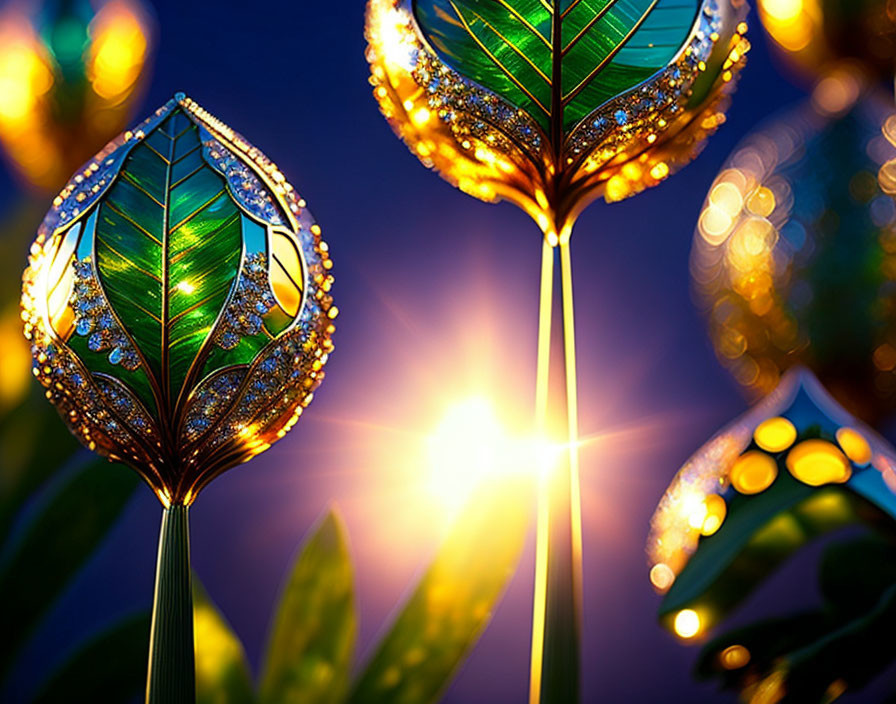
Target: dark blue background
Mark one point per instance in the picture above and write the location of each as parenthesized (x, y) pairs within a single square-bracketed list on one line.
[(432, 284)]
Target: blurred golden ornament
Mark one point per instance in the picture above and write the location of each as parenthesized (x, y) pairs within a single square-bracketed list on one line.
[(794, 258), (786, 454), (69, 73)]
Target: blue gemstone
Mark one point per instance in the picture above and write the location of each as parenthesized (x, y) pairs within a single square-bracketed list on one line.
[(95, 342), (261, 307), (76, 379), (115, 355), (229, 340), (253, 324), (85, 325), (104, 322), (268, 365), (621, 117)]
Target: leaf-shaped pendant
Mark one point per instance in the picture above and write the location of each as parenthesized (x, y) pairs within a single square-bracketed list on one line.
[(794, 467), (178, 301), (552, 103)]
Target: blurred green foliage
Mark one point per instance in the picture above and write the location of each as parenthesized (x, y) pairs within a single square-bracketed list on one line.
[(313, 632), (818, 654), (57, 505)]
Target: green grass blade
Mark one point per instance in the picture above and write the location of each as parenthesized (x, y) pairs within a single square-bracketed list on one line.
[(451, 605), (108, 668), (313, 633), (222, 671), (55, 544)]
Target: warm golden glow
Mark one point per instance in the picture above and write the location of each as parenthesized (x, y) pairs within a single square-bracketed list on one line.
[(755, 245), (837, 92), (118, 51), (469, 447), (753, 472), (791, 23), (716, 510), (662, 577), (775, 434), (818, 462), (854, 444), (734, 657), (687, 624), (783, 10), (44, 148), (186, 287), (15, 374), (25, 74)]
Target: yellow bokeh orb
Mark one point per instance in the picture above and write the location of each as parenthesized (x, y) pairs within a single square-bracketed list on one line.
[(775, 434), (687, 623), (716, 510), (818, 462), (854, 444), (816, 34), (753, 472)]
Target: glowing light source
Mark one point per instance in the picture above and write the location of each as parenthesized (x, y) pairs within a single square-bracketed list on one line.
[(469, 447), (818, 462), (775, 434), (662, 577), (854, 444), (753, 472), (687, 623), (783, 10)]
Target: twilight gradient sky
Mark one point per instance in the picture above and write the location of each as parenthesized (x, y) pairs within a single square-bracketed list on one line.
[(437, 294)]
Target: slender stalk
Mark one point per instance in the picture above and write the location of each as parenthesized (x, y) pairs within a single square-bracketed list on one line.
[(556, 622), (171, 678)]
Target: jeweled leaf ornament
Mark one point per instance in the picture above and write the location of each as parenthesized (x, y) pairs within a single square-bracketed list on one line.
[(790, 261), (177, 302), (551, 104), (795, 467)]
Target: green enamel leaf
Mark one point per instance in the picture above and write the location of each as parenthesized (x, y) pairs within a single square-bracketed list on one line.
[(168, 242), (313, 634), (558, 60)]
